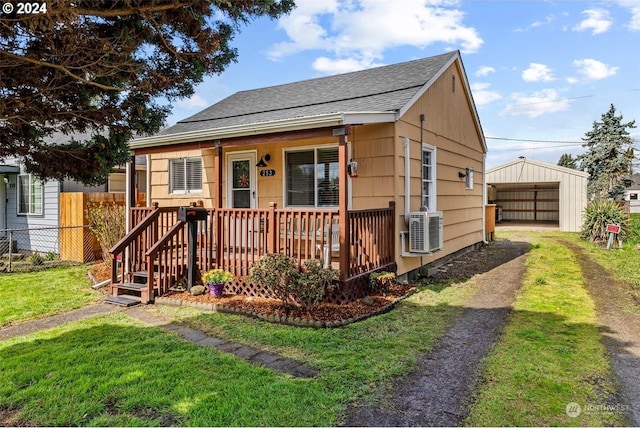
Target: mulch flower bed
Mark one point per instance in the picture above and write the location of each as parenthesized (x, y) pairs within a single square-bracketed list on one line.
[(324, 315)]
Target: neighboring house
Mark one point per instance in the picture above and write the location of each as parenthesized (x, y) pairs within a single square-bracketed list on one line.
[(279, 164), (33, 206), (632, 195), (525, 190)]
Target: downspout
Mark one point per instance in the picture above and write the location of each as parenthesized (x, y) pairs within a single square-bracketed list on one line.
[(407, 172), (407, 180), (127, 196), (147, 188), (484, 200)]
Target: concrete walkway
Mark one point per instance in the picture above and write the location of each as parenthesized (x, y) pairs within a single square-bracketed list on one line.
[(255, 356)]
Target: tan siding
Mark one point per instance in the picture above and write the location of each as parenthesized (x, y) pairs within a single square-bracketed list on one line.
[(449, 126), (373, 149)]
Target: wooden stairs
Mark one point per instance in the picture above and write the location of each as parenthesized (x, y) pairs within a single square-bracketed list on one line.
[(131, 293)]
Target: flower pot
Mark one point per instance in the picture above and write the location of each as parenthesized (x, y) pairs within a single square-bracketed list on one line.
[(216, 289)]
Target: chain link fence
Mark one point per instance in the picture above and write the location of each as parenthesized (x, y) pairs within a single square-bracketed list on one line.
[(37, 248)]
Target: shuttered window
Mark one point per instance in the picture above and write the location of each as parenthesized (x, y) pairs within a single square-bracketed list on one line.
[(185, 175), (30, 195), (312, 177)]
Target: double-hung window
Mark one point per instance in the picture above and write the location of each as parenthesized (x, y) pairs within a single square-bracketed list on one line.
[(312, 177), (185, 175), (30, 195), (428, 177)]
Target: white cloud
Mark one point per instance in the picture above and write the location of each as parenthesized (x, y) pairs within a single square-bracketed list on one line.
[(485, 70), (593, 69), (537, 104), (365, 28), (598, 21), (537, 73), (196, 101), (336, 66), (548, 20), (634, 9), (482, 95)]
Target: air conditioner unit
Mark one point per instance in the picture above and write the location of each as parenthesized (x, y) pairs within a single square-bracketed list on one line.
[(425, 231)]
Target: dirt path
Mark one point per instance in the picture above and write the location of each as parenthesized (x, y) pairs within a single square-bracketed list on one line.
[(618, 314), (436, 394)]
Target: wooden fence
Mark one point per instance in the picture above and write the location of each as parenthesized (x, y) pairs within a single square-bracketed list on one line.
[(78, 244)]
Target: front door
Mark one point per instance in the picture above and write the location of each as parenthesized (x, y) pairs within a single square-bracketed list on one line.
[(241, 179)]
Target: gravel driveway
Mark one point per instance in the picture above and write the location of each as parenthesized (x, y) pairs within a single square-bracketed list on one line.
[(436, 394)]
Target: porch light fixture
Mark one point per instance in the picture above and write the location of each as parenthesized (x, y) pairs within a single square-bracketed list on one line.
[(263, 161), (352, 168)]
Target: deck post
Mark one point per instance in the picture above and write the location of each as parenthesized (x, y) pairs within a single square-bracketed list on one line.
[(272, 231), (217, 204), (343, 214)]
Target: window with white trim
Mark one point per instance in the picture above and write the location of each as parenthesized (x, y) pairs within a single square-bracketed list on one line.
[(30, 195), (468, 179), (185, 175), (312, 177), (428, 177)]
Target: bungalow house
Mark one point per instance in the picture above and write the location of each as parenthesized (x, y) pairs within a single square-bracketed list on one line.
[(380, 169)]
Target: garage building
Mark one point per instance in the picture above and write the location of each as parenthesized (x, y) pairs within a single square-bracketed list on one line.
[(534, 192)]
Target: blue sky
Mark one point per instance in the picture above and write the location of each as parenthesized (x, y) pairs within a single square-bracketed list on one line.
[(541, 72)]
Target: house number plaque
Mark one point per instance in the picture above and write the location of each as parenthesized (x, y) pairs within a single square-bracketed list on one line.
[(267, 172)]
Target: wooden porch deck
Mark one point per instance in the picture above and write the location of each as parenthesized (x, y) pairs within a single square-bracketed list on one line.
[(234, 239)]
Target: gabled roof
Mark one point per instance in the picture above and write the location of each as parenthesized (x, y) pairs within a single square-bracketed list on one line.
[(375, 95), (522, 160)]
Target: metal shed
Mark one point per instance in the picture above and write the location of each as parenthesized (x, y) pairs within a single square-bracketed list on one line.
[(537, 192)]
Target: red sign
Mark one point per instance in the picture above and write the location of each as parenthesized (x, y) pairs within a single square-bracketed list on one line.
[(613, 228)]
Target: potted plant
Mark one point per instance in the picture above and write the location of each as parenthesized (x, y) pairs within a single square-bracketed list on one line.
[(216, 279)]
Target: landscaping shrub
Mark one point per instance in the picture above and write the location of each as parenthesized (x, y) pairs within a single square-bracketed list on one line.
[(380, 281), (313, 283), (598, 215), (278, 273), (107, 223)]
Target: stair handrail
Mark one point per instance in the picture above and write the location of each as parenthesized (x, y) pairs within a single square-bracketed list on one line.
[(127, 239), (152, 252)]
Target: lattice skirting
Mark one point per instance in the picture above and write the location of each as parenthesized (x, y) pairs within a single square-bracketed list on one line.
[(352, 289)]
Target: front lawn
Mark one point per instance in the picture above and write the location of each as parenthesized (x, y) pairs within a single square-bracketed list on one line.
[(112, 370), (26, 296)]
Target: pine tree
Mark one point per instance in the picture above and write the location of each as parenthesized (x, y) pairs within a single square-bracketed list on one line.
[(107, 69), (609, 156), (568, 161)]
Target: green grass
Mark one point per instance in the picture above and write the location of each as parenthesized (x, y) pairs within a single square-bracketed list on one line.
[(622, 263), (27, 296), (114, 371), (549, 354)]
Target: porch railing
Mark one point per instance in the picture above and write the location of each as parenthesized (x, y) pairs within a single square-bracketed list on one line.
[(234, 239)]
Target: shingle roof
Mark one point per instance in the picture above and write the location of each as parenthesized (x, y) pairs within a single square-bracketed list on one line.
[(381, 89)]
